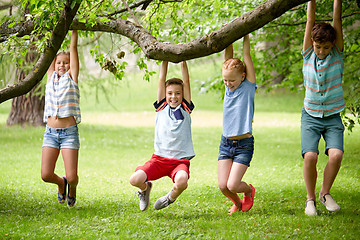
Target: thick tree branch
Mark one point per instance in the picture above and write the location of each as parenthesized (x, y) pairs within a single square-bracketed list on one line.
[(40, 68), (153, 49), (20, 29), (207, 45)]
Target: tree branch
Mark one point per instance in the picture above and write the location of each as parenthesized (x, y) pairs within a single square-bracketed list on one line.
[(204, 46), (277, 23), (6, 6), (145, 3), (40, 68), (153, 49), (131, 12)]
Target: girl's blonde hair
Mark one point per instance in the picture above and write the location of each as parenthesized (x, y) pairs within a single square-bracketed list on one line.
[(234, 63), (63, 53)]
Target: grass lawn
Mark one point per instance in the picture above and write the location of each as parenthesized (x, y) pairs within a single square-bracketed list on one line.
[(107, 207)]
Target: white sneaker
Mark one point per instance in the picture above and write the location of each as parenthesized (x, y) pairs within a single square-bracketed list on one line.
[(329, 202), (163, 202), (145, 197), (310, 207)]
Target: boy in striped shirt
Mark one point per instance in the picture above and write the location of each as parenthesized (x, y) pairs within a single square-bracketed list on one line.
[(323, 70)]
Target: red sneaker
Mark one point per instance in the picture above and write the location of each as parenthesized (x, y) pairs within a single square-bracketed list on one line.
[(248, 201)]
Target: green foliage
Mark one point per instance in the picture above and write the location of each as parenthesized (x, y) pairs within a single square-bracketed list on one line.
[(108, 64), (192, 19)]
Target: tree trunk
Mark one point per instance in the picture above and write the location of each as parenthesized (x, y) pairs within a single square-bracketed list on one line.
[(27, 109)]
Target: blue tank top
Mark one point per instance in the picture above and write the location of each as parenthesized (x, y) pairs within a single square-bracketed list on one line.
[(239, 109)]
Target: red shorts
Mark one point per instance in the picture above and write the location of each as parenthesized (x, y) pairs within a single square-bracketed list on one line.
[(158, 167)]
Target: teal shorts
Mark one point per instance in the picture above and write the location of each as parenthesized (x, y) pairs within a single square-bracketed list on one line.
[(312, 128)]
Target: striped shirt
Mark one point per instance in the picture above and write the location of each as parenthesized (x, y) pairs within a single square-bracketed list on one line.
[(62, 98), (323, 83)]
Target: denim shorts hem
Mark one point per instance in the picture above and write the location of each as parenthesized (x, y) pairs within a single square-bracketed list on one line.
[(309, 150)]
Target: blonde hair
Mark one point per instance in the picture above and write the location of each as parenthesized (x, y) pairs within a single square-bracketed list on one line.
[(63, 53), (234, 63)]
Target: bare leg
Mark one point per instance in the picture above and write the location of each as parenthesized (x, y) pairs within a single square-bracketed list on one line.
[(70, 157), (224, 169), (48, 163), (331, 170), (138, 179), (235, 183), (310, 174), (180, 183)]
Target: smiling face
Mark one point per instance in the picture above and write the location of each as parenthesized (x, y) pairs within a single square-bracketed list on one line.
[(232, 78), (322, 49), (174, 95), (62, 64)]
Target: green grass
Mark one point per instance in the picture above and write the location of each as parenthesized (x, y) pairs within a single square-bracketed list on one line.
[(107, 207)]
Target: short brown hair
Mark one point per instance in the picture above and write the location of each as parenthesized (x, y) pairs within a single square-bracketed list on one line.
[(323, 32), (174, 81), (234, 63)]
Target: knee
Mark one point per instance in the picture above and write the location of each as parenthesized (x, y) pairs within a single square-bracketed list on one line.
[(138, 178), (72, 179), (310, 159), (134, 180), (181, 183), (232, 187), (46, 177), (223, 187), (335, 156)]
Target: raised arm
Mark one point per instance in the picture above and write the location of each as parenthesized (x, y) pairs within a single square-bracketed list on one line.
[(186, 80), (74, 57), (50, 70), (310, 22), (162, 78), (337, 24), (229, 52), (249, 65)]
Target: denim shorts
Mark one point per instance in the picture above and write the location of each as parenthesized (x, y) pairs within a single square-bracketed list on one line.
[(60, 138), (240, 151), (312, 128)]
